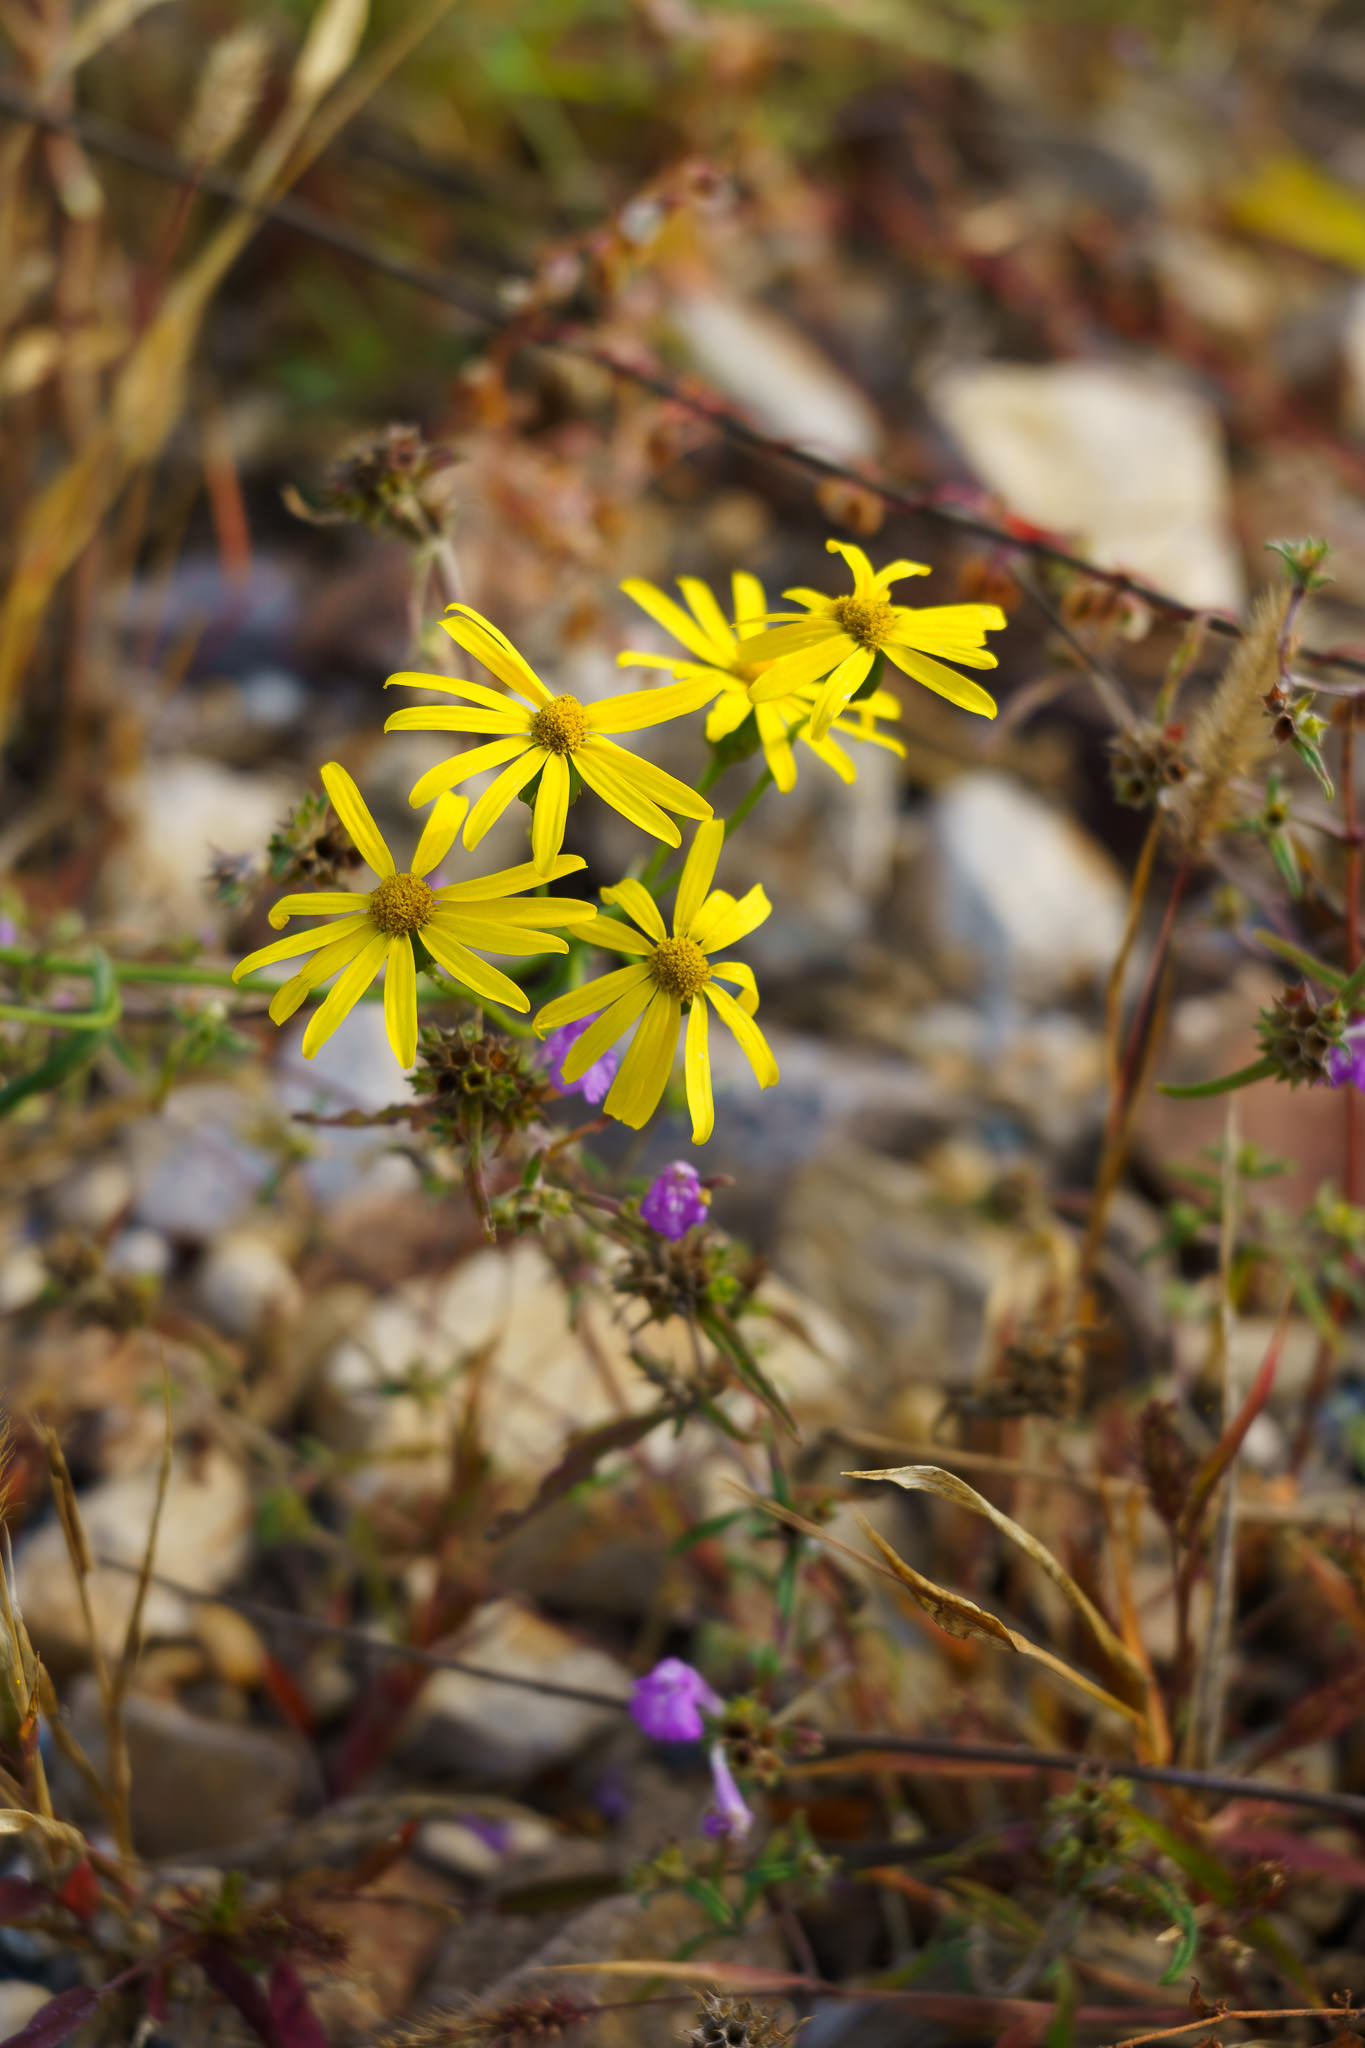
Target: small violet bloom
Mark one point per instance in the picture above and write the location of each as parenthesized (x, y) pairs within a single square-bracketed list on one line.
[(1346, 1062), (668, 1700), (729, 1819), (674, 1201), (593, 1085)]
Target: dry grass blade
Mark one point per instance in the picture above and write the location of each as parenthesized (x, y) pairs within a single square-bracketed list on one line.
[(54, 1834), (933, 1479), (97, 26), (959, 1616), (937, 1600)]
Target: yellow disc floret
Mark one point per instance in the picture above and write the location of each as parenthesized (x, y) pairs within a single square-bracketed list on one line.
[(561, 725), (401, 903), (868, 620), (681, 968)]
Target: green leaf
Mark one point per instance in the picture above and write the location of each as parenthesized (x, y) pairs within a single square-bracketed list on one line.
[(1259, 1070), (1306, 962), (1311, 756)]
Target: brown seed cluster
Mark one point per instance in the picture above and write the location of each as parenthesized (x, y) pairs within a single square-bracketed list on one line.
[(1299, 1033), (736, 2023)]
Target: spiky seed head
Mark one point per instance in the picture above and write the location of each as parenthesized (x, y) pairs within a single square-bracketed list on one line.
[(1300, 1034)]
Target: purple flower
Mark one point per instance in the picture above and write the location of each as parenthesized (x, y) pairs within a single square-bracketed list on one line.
[(1346, 1062), (674, 1201), (593, 1085), (667, 1702), (729, 1819)]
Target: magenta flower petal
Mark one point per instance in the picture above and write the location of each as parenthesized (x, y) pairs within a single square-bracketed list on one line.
[(674, 1201), (728, 1819), (592, 1085), (668, 1700)]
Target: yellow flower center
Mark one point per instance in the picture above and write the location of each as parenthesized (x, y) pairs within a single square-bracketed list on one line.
[(680, 968), (868, 620), (401, 903), (561, 725)]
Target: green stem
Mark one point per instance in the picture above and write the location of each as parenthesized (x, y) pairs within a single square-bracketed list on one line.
[(187, 976), (712, 773), (741, 812)]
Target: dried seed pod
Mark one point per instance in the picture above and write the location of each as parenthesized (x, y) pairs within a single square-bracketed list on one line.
[(1299, 1034)]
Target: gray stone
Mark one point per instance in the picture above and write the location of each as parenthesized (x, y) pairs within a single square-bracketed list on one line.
[(1025, 899), (194, 1167), (506, 1734), (776, 373), (95, 1196), (199, 1786), (245, 1280)]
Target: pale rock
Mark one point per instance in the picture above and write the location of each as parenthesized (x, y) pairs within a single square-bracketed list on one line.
[(176, 814), (199, 1786), (540, 1380), (202, 1543), (503, 1733), (354, 1069), (246, 1280), (479, 1847), (195, 1168), (140, 1254), (1129, 464), (232, 1646), (93, 1198), (1025, 897), (19, 2001), (23, 1276), (776, 373), (1353, 359)]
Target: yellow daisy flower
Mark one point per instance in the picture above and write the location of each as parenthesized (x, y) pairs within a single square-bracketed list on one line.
[(376, 926), (669, 977), (542, 737), (720, 649), (839, 638)]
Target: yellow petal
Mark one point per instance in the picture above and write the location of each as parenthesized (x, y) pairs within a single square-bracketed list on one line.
[(737, 971), (708, 613), (460, 767), (944, 682), (614, 936), (459, 718), (850, 675), (590, 998), (803, 666), (728, 713), (636, 901), (298, 942), (470, 971), (832, 754), (320, 968), (670, 615), (643, 1073), (697, 1065), (438, 834), (734, 922), (475, 693), (400, 1000), (481, 638), (641, 708), (321, 903), (752, 1043), (491, 935), (509, 881), (501, 793), (350, 807), (601, 774), (750, 602), (652, 781), (699, 871), (606, 1029), (894, 571), (520, 910), (345, 993), (863, 578), (777, 748), (551, 812)]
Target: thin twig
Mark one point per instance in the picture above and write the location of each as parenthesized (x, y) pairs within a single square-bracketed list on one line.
[(1347, 1804)]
